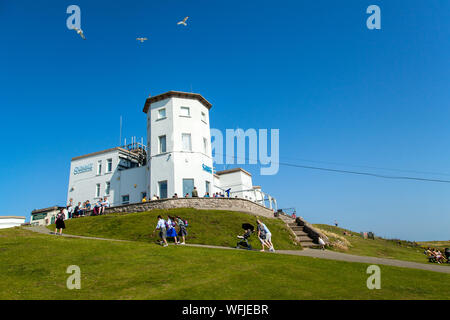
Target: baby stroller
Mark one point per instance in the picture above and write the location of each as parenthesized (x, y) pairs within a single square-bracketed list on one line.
[(447, 254), (243, 243)]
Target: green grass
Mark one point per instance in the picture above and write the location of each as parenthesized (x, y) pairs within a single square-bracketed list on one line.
[(378, 247), (211, 227), (34, 267), (441, 245)]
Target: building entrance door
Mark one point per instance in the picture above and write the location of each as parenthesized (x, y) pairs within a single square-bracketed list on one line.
[(162, 189), (188, 186)]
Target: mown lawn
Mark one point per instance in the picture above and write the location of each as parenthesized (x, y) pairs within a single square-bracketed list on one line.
[(213, 227), (34, 267), (381, 248)]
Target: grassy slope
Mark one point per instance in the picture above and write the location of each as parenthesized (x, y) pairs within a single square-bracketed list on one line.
[(379, 247), (211, 227), (34, 267), (436, 244)]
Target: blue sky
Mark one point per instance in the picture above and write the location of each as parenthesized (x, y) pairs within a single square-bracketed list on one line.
[(338, 92)]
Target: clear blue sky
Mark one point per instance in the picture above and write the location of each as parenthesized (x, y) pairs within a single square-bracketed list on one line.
[(337, 91)]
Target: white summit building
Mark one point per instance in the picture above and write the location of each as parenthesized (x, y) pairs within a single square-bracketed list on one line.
[(177, 157)]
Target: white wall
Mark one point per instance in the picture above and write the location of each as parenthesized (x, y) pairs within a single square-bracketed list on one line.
[(122, 182), (133, 182), (84, 184), (11, 222), (177, 164)]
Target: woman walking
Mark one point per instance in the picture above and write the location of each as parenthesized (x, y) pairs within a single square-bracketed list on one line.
[(60, 222), (183, 232), (268, 236), (171, 232)]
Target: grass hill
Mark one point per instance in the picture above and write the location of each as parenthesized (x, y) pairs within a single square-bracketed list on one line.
[(354, 243), (34, 267), (213, 227)]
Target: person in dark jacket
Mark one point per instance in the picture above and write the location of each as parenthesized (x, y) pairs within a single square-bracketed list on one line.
[(195, 193), (60, 222)]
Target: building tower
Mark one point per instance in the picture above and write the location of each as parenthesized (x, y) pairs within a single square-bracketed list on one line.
[(179, 144)]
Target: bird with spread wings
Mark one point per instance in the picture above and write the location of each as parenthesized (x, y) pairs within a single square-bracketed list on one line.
[(141, 39), (183, 22)]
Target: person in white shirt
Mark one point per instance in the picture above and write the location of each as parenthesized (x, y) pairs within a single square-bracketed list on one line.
[(268, 235), (70, 208), (161, 226), (104, 205)]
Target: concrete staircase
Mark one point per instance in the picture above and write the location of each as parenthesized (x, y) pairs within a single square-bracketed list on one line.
[(301, 236)]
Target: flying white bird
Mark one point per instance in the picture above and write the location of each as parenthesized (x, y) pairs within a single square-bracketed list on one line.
[(141, 39), (80, 32), (183, 22)]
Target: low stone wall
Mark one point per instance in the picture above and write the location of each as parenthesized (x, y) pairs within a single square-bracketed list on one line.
[(231, 204), (312, 232)]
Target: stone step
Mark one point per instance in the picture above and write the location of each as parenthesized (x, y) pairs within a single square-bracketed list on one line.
[(308, 244), (297, 228), (304, 238), (293, 224), (300, 233)]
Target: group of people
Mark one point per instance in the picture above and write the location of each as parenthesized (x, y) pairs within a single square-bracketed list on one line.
[(167, 229), (82, 208), (435, 255), (193, 194)]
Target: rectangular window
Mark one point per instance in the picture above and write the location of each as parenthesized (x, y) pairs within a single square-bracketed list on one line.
[(162, 144), (207, 184), (109, 165), (161, 113), (162, 189), (97, 190), (205, 146), (186, 139), (126, 199), (203, 117), (185, 112), (99, 167), (107, 188)]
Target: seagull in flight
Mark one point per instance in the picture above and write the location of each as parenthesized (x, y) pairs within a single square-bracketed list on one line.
[(80, 32), (141, 39), (183, 22)]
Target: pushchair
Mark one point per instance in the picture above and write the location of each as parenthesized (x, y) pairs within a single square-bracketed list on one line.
[(447, 254), (243, 243)]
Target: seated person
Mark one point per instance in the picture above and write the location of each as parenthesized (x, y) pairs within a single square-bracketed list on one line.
[(87, 205), (103, 205)]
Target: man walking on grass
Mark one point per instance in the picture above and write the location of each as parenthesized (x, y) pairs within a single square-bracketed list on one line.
[(161, 226)]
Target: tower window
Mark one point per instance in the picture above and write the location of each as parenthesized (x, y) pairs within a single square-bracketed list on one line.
[(185, 112), (186, 139), (162, 144)]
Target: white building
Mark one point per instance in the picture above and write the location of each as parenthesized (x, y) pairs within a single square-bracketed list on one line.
[(11, 221), (177, 157), (45, 216)]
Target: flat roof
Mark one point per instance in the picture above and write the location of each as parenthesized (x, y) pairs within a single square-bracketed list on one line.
[(176, 94), (232, 171), (46, 209), (11, 217), (103, 151)]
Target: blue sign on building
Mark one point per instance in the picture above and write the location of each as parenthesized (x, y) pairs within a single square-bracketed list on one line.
[(81, 169), (206, 168)]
